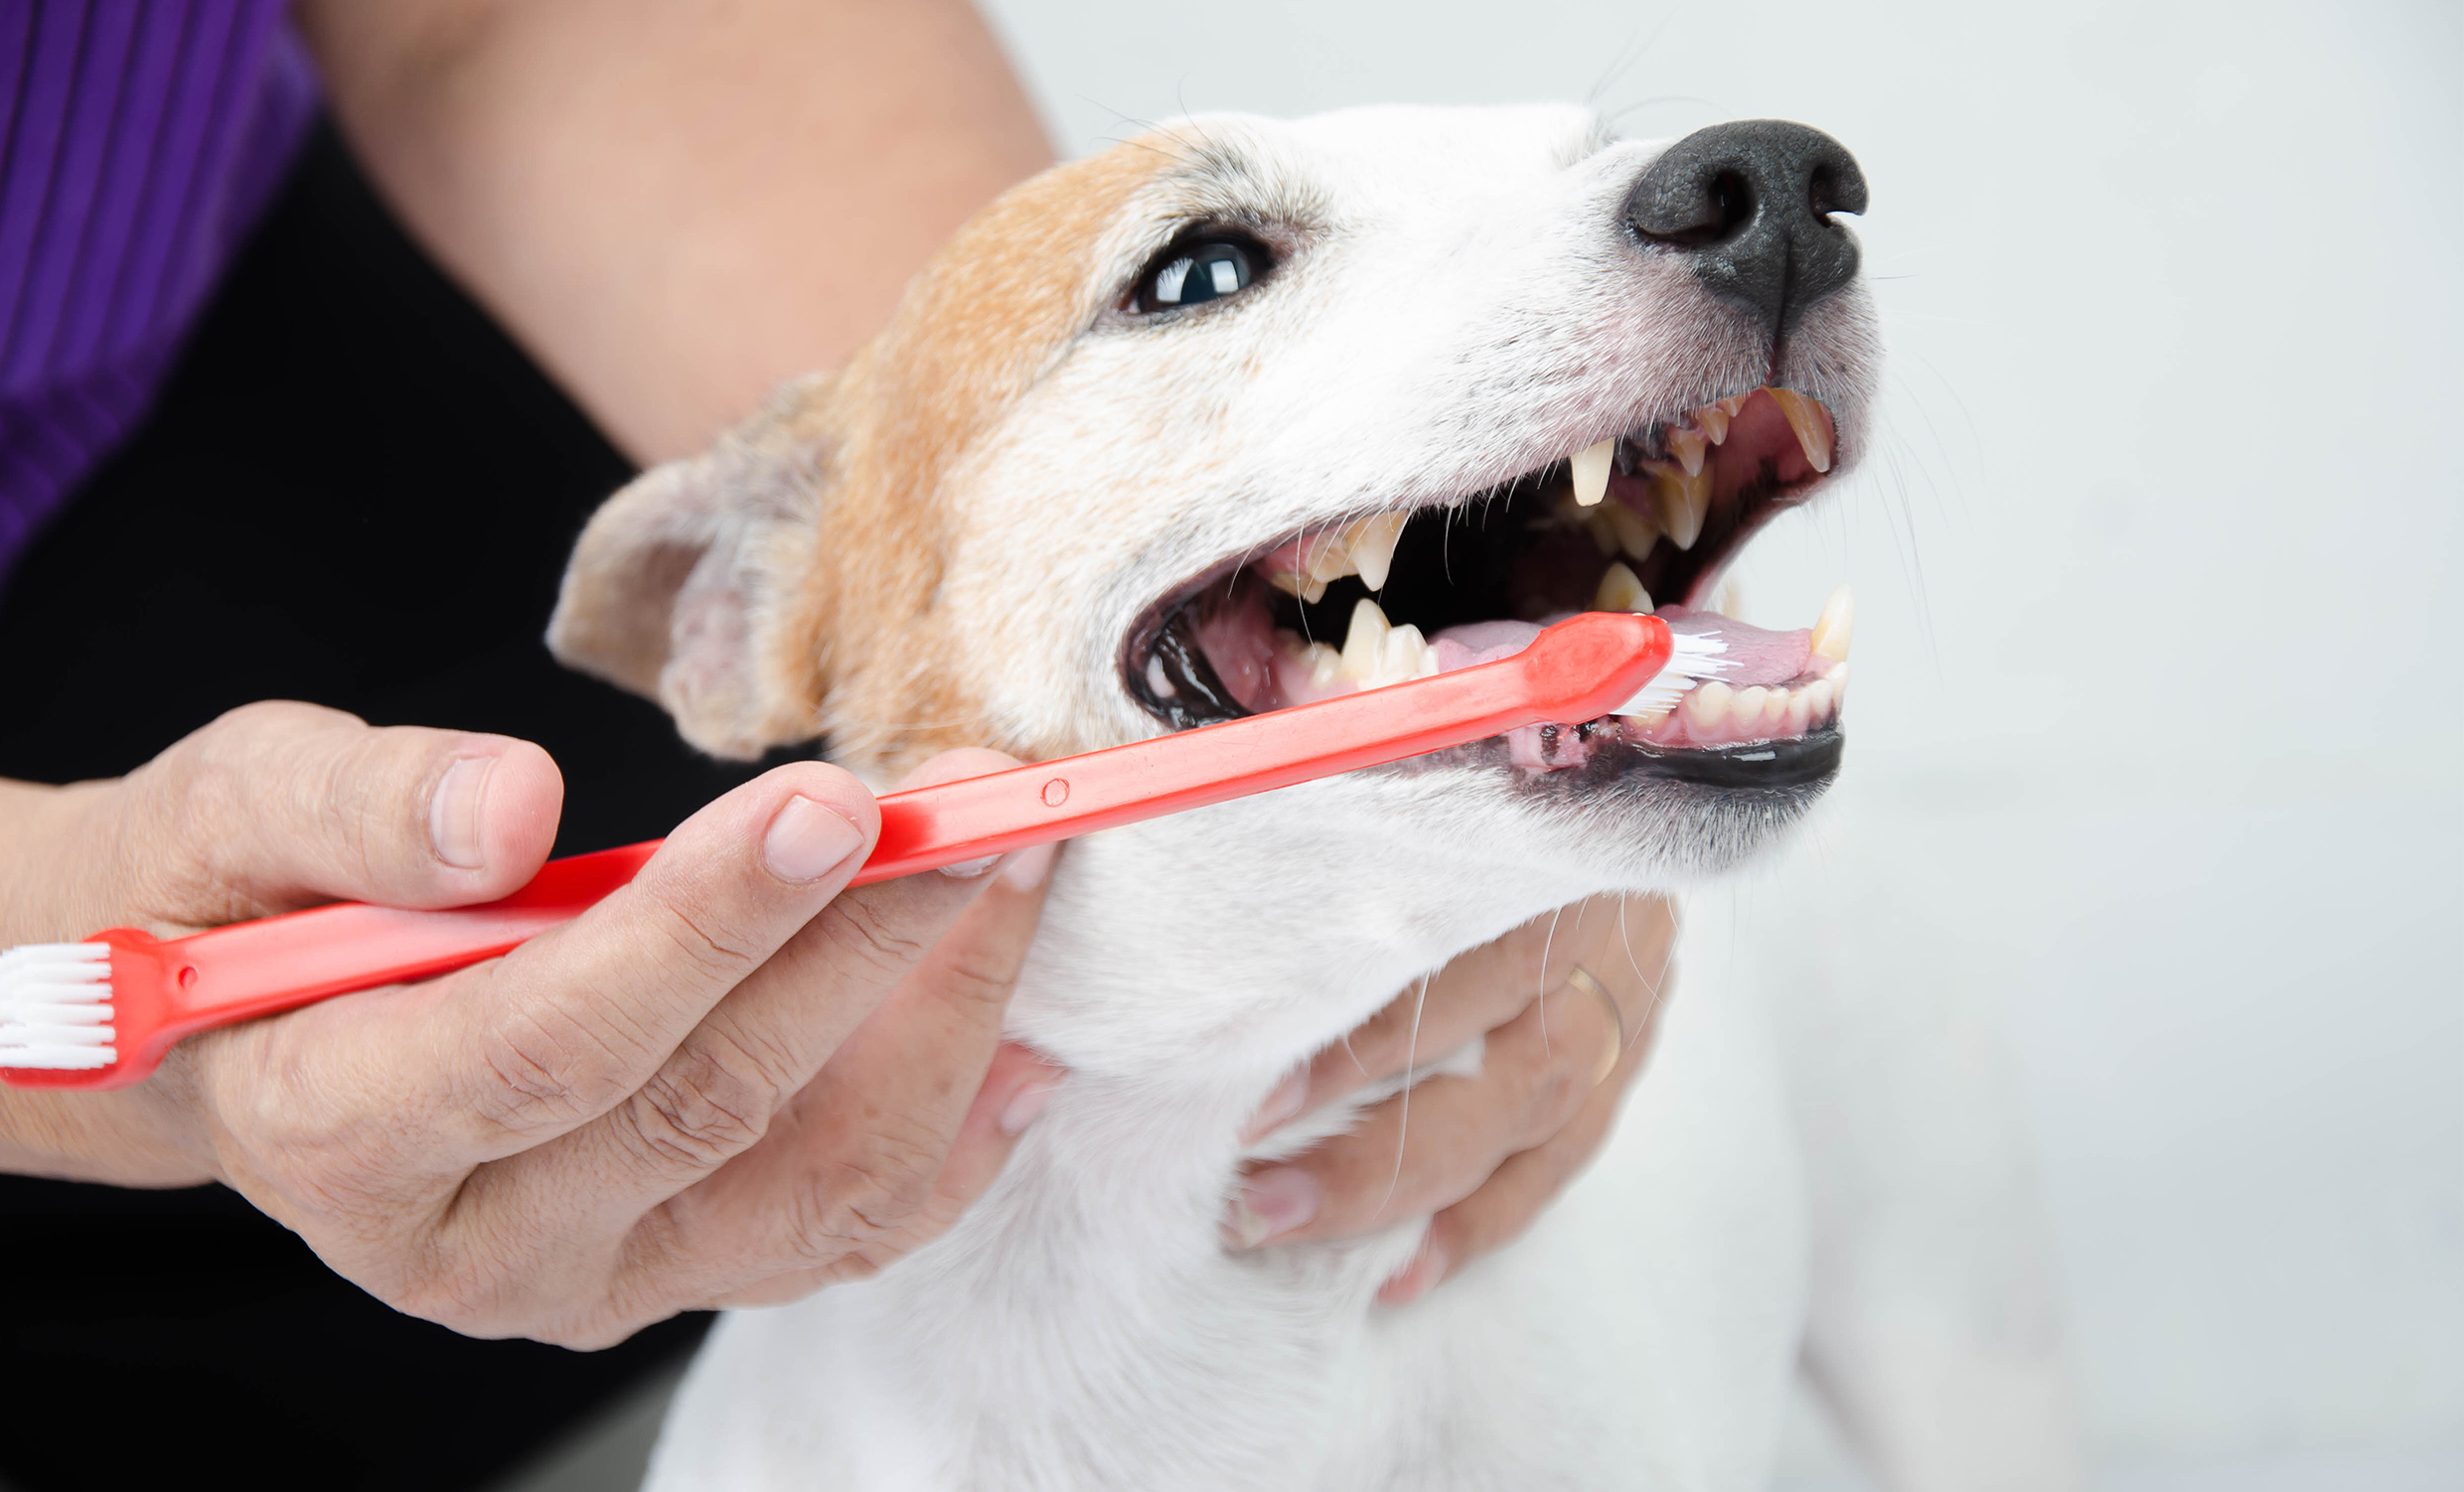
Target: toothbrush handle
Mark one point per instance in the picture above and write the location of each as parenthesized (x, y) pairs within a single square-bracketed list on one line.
[(1574, 671), (252, 968), (1577, 670)]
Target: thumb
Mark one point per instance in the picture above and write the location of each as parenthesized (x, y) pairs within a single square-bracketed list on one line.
[(279, 805)]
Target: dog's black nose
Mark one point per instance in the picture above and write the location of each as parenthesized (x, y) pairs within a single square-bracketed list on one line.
[(1751, 203)]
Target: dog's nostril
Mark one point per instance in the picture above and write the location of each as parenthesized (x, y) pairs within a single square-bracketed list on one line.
[(1751, 203)]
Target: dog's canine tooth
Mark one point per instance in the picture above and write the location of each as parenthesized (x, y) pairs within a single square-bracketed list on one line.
[(1682, 501), (1365, 641), (1591, 472), (1688, 447), (1635, 531), (1713, 422), (1372, 546), (1619, 589), (1297, 586), (1837, 624), (1814, 434)]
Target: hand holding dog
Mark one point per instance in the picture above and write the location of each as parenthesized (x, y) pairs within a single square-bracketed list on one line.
[(1483, 1154), (728, 1084)]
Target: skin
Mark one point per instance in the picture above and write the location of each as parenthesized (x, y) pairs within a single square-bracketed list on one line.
[(728, 1084)]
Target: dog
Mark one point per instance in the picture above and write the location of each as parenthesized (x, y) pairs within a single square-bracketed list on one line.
[(1241, 413)]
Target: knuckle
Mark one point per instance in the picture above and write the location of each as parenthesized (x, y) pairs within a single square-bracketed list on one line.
[(540, 1071), (857, 1203), (976, 980), (703, 943), (858, 929), (699, 1109)]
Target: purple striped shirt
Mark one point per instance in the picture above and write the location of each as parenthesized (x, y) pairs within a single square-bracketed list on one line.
[(143, 139)]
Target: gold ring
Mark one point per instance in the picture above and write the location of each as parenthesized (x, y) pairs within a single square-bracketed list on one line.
[(1580, 978)]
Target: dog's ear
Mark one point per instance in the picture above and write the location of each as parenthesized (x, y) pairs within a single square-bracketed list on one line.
[(676, 588)]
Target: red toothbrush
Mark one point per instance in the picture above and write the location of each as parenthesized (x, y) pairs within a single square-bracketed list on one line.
[(101, 1014)]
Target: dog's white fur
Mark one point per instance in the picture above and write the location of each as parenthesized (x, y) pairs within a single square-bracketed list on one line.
[(1454, 305)]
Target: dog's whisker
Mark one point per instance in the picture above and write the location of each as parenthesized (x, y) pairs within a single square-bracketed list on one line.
[(1403, 1120)]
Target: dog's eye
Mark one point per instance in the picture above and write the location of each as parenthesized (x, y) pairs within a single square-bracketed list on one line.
[(1193, 273)]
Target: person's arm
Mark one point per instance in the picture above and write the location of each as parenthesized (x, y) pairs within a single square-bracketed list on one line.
[(674, 208)]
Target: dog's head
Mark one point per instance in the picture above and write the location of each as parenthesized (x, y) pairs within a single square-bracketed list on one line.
[(1145, 440)]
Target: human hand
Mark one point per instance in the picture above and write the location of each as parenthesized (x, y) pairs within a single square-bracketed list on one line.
[(1482, 1153), (728, 1084)]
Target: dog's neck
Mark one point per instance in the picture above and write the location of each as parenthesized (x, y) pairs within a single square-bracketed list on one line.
[(1183, 969)]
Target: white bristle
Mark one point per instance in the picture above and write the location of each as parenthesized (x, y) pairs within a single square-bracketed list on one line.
[(56, 1005), (1695, 658)]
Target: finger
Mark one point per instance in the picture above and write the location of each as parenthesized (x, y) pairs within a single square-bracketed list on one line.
[(573, 1022), (717, 1091), (877, 1129), (1013, 1093), (1502, 1207), (1482, 989), (279, 805), (1434, 1143)]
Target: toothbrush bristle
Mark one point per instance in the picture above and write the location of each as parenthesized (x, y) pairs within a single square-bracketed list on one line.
[(1695, 659), (55, 1006)]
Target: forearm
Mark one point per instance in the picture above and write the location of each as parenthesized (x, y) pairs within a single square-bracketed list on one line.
[(674, 207)]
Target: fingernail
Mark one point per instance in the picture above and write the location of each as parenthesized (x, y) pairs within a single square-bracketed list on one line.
[(1417, 1277), (1271, 1204), (1027, 1104), (807, 841), (967, 870), (454, 812), (1028, 867), (1280, 1105)]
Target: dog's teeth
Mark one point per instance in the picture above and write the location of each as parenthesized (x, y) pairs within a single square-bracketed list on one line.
[(1748, 707), (1706, 704), (1839, 619), (1688, 447), (1733, 404), (1404, 655), (1591, 472), (1813, 432), (1683, 503), (1635, 531), (1365, 642), (1713, 422), (1801, 715), (1326, 557), (1619, 589), (1326, 664), (1297, 586), (1372, 543)]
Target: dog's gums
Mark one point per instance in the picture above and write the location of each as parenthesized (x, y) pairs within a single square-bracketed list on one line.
[(1399, 595)]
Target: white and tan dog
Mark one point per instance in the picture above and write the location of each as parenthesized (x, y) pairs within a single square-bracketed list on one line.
[(1148, 426)]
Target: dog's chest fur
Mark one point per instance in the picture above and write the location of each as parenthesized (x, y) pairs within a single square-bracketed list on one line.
[(1083, 1327)]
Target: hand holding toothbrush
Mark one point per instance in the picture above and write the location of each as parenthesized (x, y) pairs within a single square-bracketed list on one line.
[(651, 1108)]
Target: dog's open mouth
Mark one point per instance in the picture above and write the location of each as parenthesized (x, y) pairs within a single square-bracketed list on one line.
[(1643, 522)]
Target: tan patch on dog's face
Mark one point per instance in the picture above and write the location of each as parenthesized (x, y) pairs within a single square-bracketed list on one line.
[(859, 636)]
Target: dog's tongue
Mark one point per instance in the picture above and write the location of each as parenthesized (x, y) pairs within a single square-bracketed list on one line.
[(1753, 655)]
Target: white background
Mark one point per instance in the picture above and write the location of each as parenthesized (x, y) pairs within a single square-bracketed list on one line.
[(2154, 753)]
